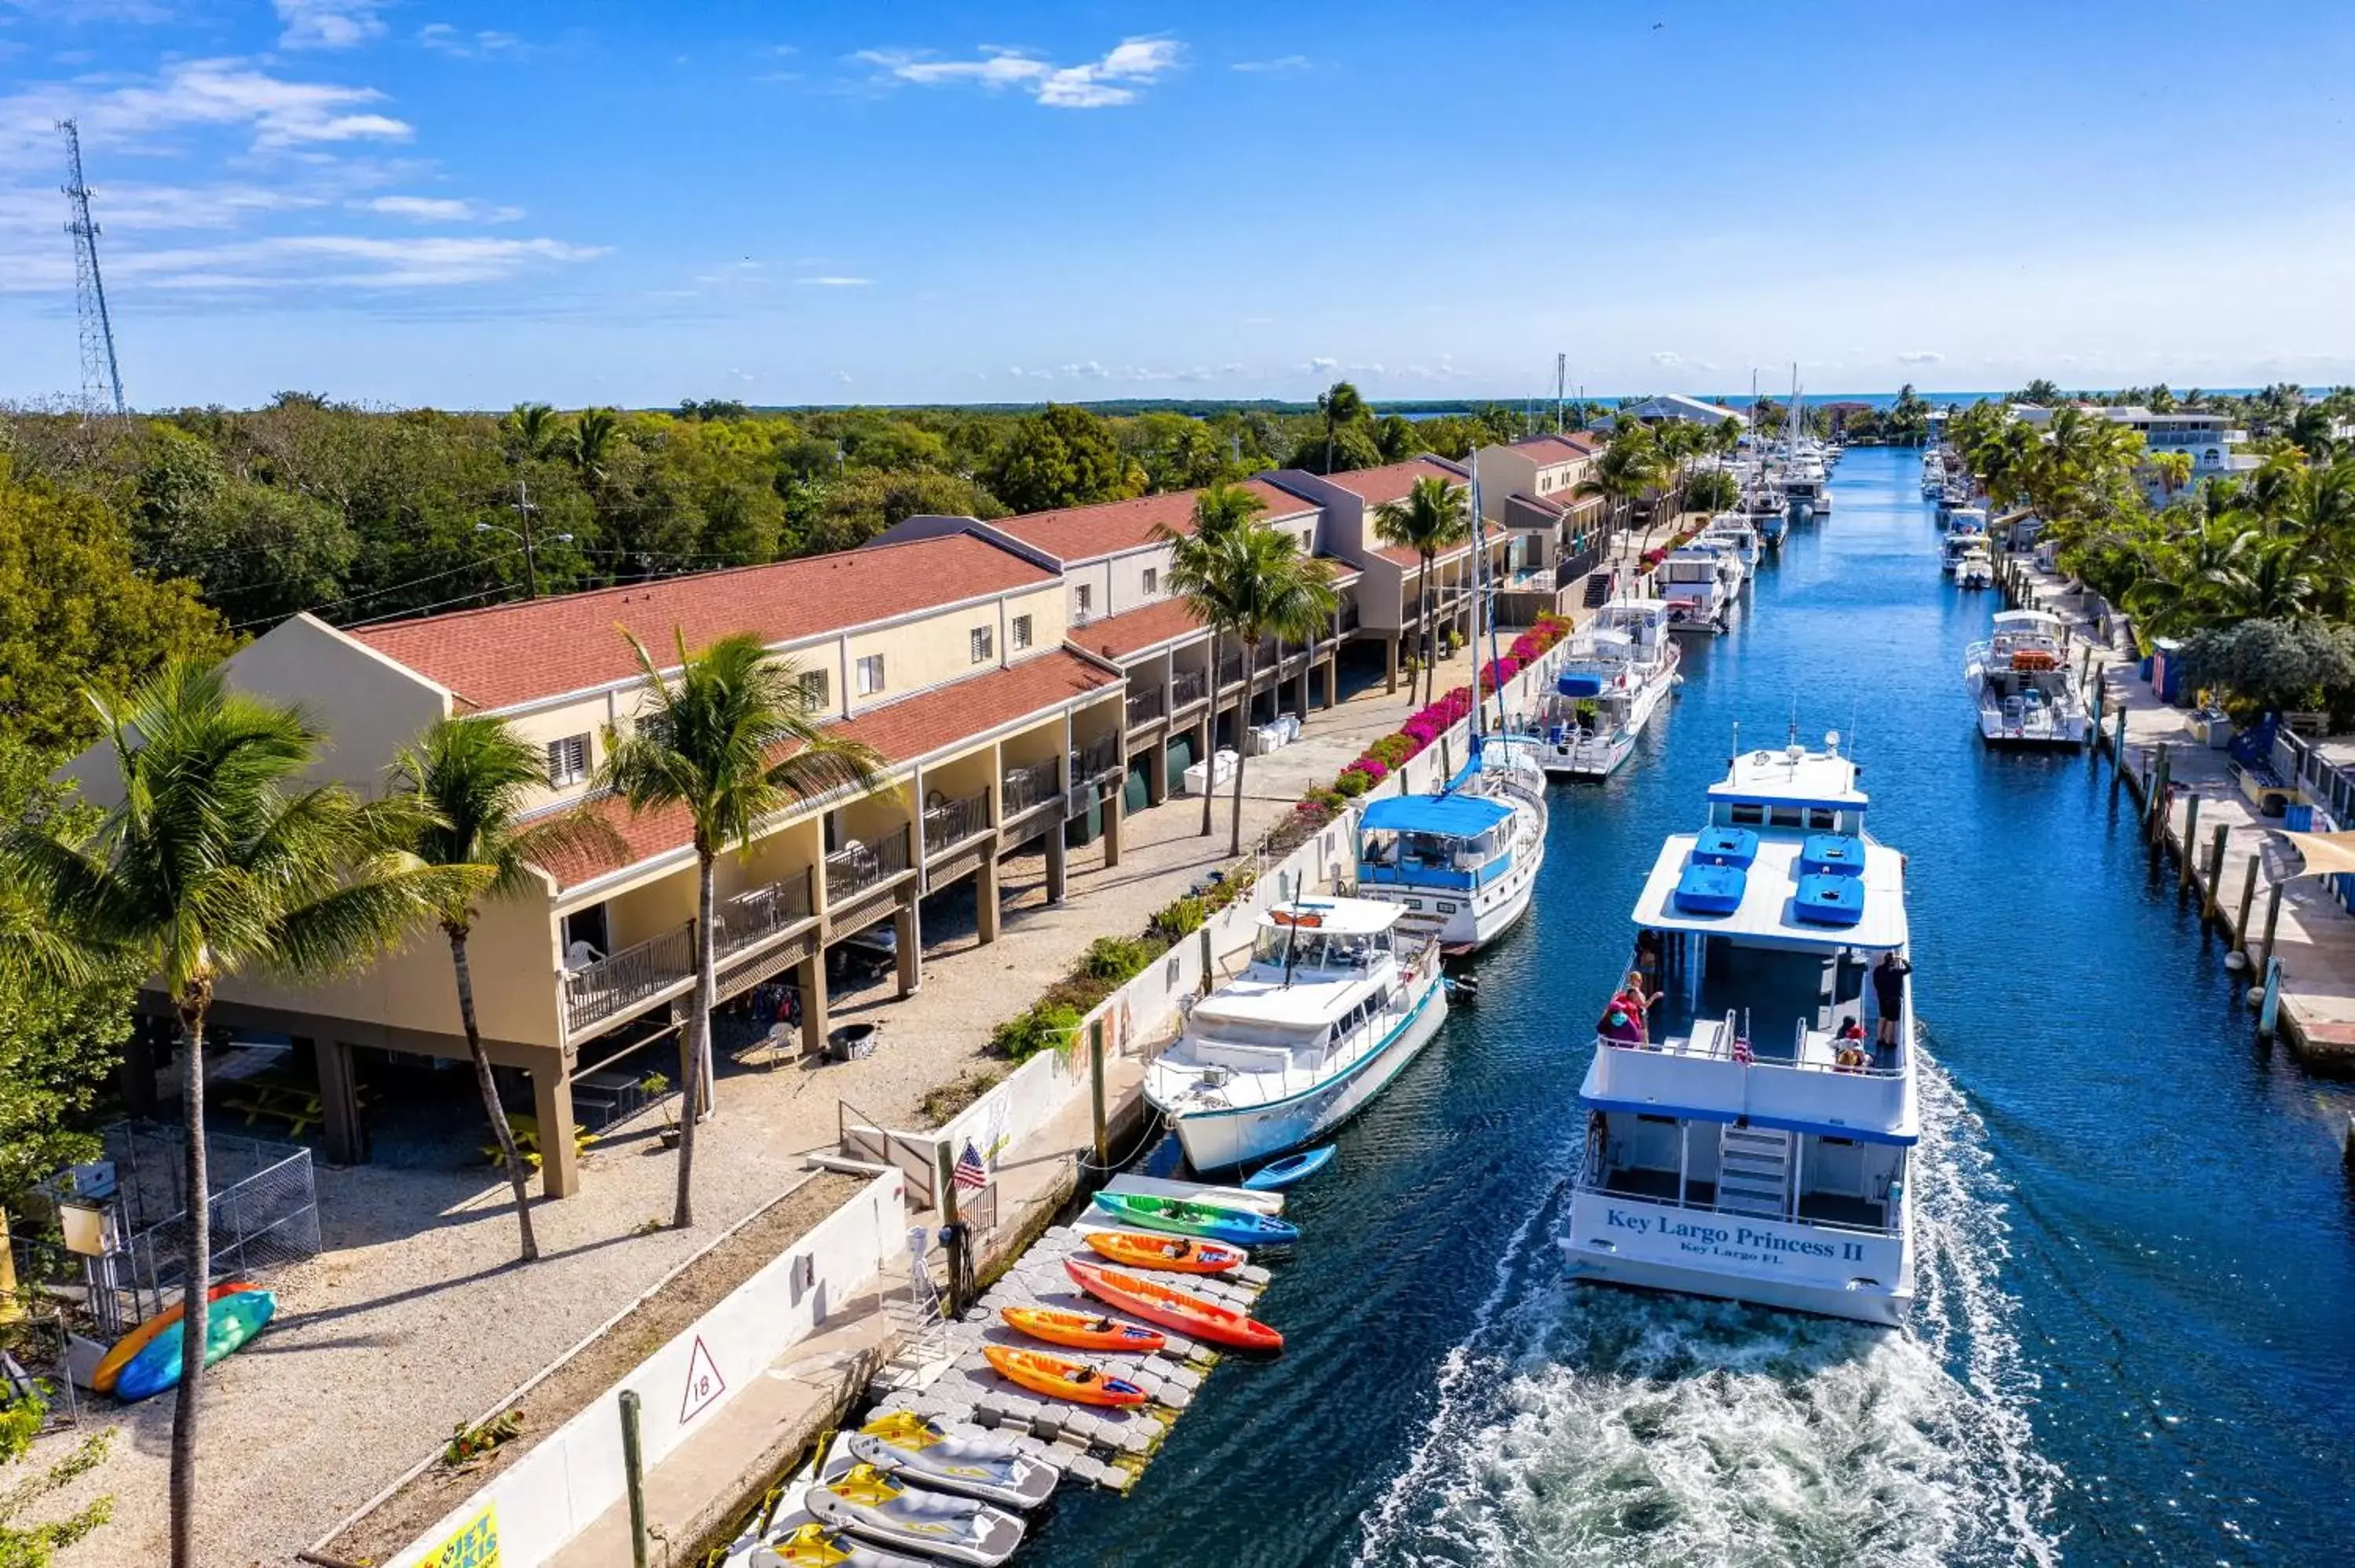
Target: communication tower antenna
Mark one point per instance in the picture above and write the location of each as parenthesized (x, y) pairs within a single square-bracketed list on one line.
[(101, 381)]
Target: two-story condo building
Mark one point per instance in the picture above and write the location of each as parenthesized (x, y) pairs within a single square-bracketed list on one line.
[(946, 655), (1552, 536)]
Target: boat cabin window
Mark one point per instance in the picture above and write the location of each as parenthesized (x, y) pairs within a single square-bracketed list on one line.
[(1785, 817), (1306, 948), (1656, 1121), (1745, 815), (1822, 819)]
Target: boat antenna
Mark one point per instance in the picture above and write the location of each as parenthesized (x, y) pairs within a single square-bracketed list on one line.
[(1791, 735), (1737, 743), (1291, 936)]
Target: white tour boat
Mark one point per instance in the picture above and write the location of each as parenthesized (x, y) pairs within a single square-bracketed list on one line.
[(2020, 679), (1464, 863), (1974, 570), (1337, 999), (1733, 531), (1767, 1166), (1616, 671)]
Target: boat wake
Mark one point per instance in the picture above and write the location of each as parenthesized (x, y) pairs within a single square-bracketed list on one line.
[(1578, 1424)]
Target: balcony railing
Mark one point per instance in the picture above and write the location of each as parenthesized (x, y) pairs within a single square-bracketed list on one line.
[(948, 825), (854, 868), (1231, 669), (752, 918), (617, 983), (1347, 621), (1271, 653), (1095, 759), (1144, 706), (1187, 686), (1024, 788)]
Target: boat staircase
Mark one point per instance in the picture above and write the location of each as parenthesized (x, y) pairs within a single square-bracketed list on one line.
[(1753, 1171)]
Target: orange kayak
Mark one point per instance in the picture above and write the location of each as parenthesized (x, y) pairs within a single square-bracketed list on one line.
[(1079, 1330), (1062, 1377), (1183, 1254), (1177, 1309)]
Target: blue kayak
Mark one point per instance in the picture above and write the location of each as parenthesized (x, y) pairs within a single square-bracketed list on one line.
[(1187, 1219), (229, 1323), (1277, 1174)]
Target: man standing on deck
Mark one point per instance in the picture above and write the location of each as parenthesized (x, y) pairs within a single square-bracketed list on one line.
[(1888, 1000)]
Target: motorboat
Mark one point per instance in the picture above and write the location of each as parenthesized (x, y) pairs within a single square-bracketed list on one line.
[(1732, 530), (1741, 1141), (1462, 862), (1614, 674), (1974, 570), (2020, 679), (1965, 536), (1698, 586), (1339, 996)]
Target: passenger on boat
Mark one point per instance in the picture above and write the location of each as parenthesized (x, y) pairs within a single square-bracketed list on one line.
[(1850, 1057), (1889, 995), (1620, 1026), (1634, 999)]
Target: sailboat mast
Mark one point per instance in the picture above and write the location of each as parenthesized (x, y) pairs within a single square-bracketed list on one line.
[(1480, 566)]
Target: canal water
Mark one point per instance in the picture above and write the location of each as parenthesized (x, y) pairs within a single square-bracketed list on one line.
[(2134, 1341)]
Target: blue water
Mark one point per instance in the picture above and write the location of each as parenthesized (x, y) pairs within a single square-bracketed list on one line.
[(2136, 1338)]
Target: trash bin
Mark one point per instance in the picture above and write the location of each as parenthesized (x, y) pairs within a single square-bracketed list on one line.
[(852, 1042), (2298, 819)]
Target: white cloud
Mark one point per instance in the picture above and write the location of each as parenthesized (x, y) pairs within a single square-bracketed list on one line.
[(329, 23), (1021, 375), (1087, 370), (1321, 366), (1282, 65), (440, 209), (349, 261), (196, 94), (444, 40), (1112, 81), (835, 282), (1922, 356), (1667, 359)]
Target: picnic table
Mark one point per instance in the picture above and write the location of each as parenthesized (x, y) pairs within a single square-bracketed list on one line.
[(526, 1129), (280, 1098)]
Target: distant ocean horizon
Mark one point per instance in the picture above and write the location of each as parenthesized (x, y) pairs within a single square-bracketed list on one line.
[(1742, 399)]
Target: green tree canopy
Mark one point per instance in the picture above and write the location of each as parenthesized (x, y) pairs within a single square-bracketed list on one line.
[(1064, 457)]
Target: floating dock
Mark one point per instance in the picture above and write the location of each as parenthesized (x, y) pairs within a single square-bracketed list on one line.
[(1109, 1447)]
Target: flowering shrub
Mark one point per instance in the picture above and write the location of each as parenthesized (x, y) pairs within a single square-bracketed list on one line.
[(1372, 767), (1497, 673), (1392, 749), (1352, 783), (1525, 647), (1653, 557)]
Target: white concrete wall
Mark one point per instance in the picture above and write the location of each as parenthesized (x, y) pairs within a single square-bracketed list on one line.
[(574, 1474)]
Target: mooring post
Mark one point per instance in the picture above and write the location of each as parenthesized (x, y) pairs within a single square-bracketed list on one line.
[(2273, 918), (2215, 869), (2248, 893), (2269, 1008), (633, 1469), (2155, 802), (2190, 835), (1096, 1091)]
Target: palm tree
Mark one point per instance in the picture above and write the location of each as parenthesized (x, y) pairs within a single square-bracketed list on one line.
[(1678, 443), (2188, 581), (1431, 518), (2173, 470), (1340, 404), (474, 777), (218, 861), (1625, 469), (591, 442), (534, 429), (732, 739), (1254, 583), (1219, 511)]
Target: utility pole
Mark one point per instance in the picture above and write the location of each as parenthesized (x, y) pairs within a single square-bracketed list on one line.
[(1561, 381), (101, 379), (523, 510)]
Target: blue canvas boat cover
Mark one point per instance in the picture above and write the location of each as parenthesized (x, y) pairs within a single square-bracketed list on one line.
[(1458, 816), (1832, 854), (1726, 846), (1825, 899)]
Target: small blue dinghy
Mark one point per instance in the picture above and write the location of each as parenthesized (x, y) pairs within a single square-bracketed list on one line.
[(1277, 1174)]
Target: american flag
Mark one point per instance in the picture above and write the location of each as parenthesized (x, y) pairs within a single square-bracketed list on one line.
[(970, 1171)]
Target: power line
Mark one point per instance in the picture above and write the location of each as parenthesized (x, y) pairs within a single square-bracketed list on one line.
[(381, 592), (422, 608)]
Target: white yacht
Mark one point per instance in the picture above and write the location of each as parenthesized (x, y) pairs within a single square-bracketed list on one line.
[(1733, 531), (1616, 671), (2020, 679), (1699, 584), (1462, 864), (1974, 570), (1338, 997), (1965, 534), (1767, 1166)]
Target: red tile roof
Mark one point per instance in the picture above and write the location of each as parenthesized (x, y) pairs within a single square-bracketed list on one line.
[(1132, 631), (1391, 481), (1549, 450), (514, 653), (1084, 532), (903, 731)]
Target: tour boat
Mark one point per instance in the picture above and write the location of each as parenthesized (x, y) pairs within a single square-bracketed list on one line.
[(1616, 672), (1699, 586), (1771, 1167), (1341, 994), (1464, 863), (2020, 679)]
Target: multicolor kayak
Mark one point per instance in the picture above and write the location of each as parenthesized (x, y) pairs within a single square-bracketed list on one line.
[(1190, 1219), (1277, 1174), (1079, 1330), (1181, 1255), (110, 1365), (1062, 1377), (229, 1323), (1173, 1308)]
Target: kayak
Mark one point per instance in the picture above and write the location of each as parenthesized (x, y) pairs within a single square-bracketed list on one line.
[(1182, 1255), (902, 1442), (110, 1365), (1188, 1219), (1278, 1174), (1241, 1198), (1080, 1332), (1062, 1377), (864, 1502), (1173, 1308), (229, 1323)]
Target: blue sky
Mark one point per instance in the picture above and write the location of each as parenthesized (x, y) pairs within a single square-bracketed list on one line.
[(408, 201)]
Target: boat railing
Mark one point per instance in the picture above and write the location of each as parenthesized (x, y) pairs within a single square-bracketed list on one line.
[(1601, 1188), (1729, 1048)]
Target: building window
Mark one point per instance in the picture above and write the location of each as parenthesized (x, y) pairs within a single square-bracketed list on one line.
[(1152, 582), (1018, 634), (813, 690), (870, 675), (982, 650), (1083, 598), (568, 760)]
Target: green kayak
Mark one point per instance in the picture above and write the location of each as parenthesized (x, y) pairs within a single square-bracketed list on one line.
[(1185, 1219)]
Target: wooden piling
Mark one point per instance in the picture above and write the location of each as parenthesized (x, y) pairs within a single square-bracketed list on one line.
[(1096, 1092), (2248, 894), (2273, 918), (2154, 802), (2191, 838), (2216, 870), (634, 1476)]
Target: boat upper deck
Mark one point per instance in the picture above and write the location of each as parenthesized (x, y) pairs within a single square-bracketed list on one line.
[(1765, 903)]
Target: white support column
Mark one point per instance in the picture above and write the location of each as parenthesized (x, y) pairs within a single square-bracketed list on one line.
[(1684, 1159)]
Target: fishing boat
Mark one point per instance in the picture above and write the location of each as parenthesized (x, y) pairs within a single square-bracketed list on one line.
[(1699, 587), (1341, 994), (1617, 669), (1769, 1166), (1731, 530), (1763, 504), (1974, 570), (2020, 679)]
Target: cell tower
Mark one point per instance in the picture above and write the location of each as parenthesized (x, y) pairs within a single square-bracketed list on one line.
[(102, 382)]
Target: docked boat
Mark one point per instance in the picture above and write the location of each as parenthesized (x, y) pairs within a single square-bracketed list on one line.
[(1974, 570), (2020, 679), (1616, 672), (1178, 1254), (904, 1443), (1341, 994), (1732, 530), (1741, 1141), (1181, 1311), (1699, 587), (1763, 506), (1966, 534), (1187, 1217), (1461, 864), (866, 1502), (1058, 1377), (1079, 1330)]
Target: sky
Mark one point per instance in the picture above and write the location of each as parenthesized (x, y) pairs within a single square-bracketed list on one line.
[(415, 201)]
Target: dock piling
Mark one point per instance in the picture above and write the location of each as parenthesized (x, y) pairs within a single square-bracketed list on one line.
[(2248, 894), (634, 1470), (2154, 803), (2273, 918), (1096, 1092), (2215, 869), (2191, 837)]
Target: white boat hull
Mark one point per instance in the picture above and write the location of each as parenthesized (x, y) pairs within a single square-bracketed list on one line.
[(1599, 756), (1865, 1276), (1222, 1139), (2071, 731)]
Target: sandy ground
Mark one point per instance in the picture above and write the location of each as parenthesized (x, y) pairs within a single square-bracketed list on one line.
[(416, 1317)]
